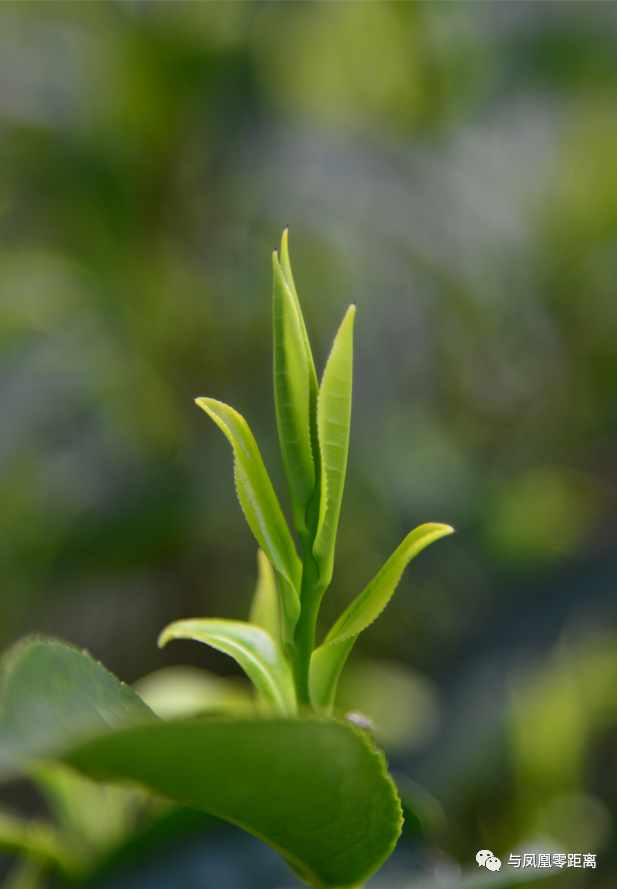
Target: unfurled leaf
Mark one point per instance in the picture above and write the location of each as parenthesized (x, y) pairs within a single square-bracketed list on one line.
[(295, 390), (252, 648), (316, 791), (327, 660), (333, 418), (265, 610), (312, 375), (54, 695), (260, 504)]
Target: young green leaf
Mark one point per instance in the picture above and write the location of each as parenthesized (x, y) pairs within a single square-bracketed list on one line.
[(333, 418), (317, 791), (327, 661), (312, 374), (253, 649), (293, 381), (265, 610), (54, 695), (259, 503)]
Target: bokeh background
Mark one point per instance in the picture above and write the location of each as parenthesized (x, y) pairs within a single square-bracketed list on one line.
[(449, 167)]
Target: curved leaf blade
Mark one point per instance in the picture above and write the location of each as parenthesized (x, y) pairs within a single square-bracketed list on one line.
[(265, 609), (328, 660), (312, 373), (54, 695), (333, 419), (292, 395), (259, 502), (251, 647), (317, 791)]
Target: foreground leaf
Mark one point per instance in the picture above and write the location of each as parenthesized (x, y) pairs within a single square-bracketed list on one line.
[(259, 656), (316, 791), (265, 610), (259, 504), (294, 382), (333, 419), (54, 695), (327, 661)]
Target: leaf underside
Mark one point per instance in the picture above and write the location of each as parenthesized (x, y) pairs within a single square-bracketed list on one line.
[(260, 505), (317, 791), (327, 661), (293, 365), (254, 650)]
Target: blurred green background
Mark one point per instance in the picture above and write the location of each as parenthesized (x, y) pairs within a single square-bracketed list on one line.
[(452, 169)]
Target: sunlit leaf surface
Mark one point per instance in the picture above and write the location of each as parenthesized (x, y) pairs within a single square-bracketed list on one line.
[(265, 610), (327, 660), (54, 695), (293, 369), (253, 648), (259, 502), (333, 418)]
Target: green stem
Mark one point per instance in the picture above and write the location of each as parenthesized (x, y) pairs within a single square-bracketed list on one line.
[(304, 636)]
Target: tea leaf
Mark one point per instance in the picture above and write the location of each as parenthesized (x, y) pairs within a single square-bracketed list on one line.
[(295, 381), (333, 418), (312, 374), (317, 791), (252, 648), (54, 695), (327, 661), (265, 610), (259, 503)]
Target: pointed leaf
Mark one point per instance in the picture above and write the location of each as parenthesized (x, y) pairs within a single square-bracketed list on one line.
[(312, 374), (265, 610), (327, 661), (259, 501), (333, 419), (251, 647), (293, 366), (317, 791), (54, 695)]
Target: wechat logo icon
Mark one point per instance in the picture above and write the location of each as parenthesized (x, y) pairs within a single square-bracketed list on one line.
[(485, 858)]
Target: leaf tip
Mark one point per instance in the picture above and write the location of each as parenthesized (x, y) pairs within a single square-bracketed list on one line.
[(164, 637)]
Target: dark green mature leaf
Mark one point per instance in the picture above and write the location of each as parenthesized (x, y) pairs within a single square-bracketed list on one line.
[(317, 791), (260, 504), (265, 609), (53, 696), (293, 373), (333, 419), (253, 648), (327, 661)]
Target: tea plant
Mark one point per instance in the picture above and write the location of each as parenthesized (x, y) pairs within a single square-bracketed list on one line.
[(278, 652), (310, 784)]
